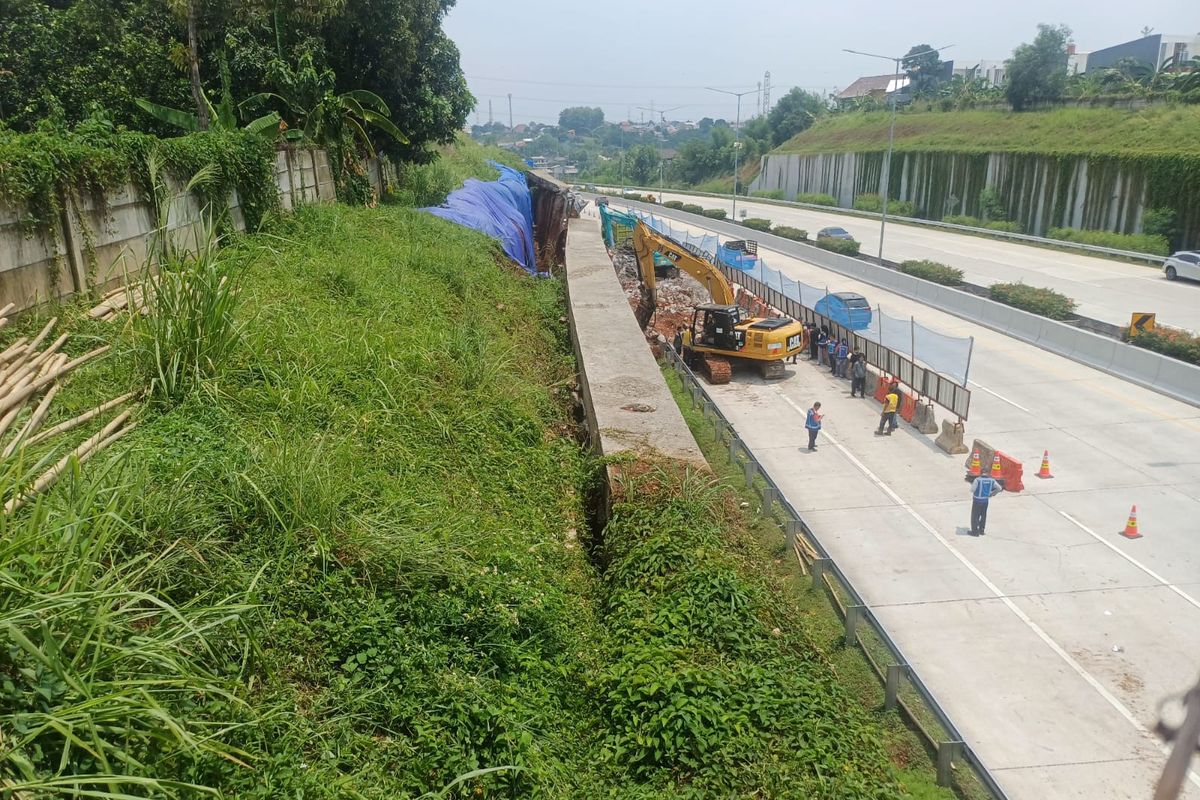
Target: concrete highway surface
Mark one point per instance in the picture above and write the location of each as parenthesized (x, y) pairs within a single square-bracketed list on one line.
[(1051, 639), (1105, 289)]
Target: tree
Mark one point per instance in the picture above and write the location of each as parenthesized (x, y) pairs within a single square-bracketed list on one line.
[(581, 119), (794, 113), (643, 164), (1038, 71), (923, 66)]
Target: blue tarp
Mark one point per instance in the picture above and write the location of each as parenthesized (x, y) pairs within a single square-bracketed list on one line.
[(503, 209)]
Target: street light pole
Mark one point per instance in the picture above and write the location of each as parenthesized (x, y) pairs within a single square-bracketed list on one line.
[(663, 113), (886, 178), (737, 138)]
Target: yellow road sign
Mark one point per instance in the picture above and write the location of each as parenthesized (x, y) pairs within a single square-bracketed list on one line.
[(1141, 322)]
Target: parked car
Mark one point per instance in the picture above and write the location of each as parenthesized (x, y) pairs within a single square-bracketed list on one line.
[(1184, 264), (833, 233), (847, 309)]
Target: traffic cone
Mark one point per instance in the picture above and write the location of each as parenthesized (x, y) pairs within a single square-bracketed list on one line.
[(1044, 472), (976, 467), (1131, 531), (996, 465)]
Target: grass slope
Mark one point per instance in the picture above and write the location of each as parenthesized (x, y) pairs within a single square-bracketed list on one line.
[(1153, 130)]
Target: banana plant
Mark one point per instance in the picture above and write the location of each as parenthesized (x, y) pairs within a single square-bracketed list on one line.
[(223, 116)]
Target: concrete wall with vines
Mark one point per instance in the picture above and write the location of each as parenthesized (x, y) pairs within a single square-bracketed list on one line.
[(1037, 190)]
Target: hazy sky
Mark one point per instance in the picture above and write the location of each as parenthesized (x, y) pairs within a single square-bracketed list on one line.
[(622, 54)]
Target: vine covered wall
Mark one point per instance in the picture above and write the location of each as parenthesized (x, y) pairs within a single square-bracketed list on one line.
[(1038, 191)]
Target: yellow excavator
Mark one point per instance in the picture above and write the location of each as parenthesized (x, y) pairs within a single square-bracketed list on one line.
[(721, 332)]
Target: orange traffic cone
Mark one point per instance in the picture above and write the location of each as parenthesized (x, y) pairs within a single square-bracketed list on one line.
[(996, 466), (1131, 531), (976, 467), (1044, 472)]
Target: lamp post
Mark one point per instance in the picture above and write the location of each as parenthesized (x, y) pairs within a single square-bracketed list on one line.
[(886, 180), (737, 138)]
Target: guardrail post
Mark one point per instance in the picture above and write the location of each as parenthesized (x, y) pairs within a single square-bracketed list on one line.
[(852, 615), (719, 426), (734, 444), (946, 751), (791, 529), (749, 471), (891, 688), (819, 566), (768, 498)]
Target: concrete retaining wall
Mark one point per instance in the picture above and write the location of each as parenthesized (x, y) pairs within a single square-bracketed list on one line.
[(95, 241), (628, 406), (1168, 376)]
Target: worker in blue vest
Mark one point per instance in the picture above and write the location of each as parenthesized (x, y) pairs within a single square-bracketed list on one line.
[(983, 489), (812, 423), (831, 347)]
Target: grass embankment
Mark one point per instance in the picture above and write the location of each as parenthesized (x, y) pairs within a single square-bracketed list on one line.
[(420, 185), (1083, 131), (349, 562)]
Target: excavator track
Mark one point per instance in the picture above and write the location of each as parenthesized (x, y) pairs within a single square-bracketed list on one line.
[(717, 370)]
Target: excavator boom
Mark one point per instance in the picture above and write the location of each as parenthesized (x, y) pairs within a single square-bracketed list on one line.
[(647, 242)]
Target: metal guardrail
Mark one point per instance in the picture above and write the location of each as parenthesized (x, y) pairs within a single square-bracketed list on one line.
[(929, 223), (828, 576)]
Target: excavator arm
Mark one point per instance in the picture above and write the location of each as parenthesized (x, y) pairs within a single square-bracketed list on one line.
[(646, 242)]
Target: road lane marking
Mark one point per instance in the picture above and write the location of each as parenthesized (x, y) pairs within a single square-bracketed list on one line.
[(1002, 397), (1132, 560), (999, 595)]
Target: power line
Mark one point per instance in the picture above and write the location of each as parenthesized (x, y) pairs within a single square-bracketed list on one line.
[(591, 85)]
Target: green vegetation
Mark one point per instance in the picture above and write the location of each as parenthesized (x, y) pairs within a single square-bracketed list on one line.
[(788, 232), (976, 222), (428, 184), (1137, 242), (1044, 302), (873, 202), (816, 199), (692, 208), (933, 271), (1155, 130), (675, 204), (846, 247), (714, 213), (773, 194), (717, 185), (1170, 342), (758, 224)]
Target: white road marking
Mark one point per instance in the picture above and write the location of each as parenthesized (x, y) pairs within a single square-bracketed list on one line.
[(1002, 397), (1132, 560), (995, 590)]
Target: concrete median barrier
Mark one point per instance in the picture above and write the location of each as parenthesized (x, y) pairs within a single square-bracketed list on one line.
[(950, 440), (924, 420)]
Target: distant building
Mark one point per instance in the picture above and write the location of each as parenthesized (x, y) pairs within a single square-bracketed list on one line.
[(1077, 63), (875, 86), (989, 69), (1153, 51)]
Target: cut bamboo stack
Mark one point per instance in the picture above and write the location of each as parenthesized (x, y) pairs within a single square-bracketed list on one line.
[(112, 304), (30, 378)]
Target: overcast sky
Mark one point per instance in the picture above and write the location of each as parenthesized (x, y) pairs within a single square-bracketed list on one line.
[(622, 54)]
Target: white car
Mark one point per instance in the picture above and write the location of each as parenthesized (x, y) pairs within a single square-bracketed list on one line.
[(1184, 264)]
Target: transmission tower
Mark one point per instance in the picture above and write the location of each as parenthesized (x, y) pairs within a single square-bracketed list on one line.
[(766, 92), (760, 110), (489, 113)]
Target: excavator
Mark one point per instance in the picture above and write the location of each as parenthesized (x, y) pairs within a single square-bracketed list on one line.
[(722, 333)]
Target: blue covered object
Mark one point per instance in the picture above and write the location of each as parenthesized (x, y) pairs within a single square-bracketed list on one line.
[(503, 209)]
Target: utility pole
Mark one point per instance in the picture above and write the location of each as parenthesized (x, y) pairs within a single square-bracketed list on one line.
[(489, 113), (737, 138), (885, 179), (510, 125), (661, 138), (766, 96)]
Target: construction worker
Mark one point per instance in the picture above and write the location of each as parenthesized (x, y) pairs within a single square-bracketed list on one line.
[(812, 423), (858, 374), (890, 403), (843, 353), (677, 342), (831, 347), (983, 489)]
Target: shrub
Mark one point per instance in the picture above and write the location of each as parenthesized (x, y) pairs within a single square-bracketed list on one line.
[(847, 247), (1044, 302), (1139, 242), (773, 194), (990, 204), (758, 224), (975, 222), (1005, 226), (1170, 342), (872, 202), (933, 271), (692, 208), (816, 199), (675, 204), (1160, 222), (788, 232), (714, 213), (963, 219)]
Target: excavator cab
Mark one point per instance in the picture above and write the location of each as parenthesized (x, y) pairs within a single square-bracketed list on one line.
[(716, 326)]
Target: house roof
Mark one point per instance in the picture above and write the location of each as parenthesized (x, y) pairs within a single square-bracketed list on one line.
[(866, 85)]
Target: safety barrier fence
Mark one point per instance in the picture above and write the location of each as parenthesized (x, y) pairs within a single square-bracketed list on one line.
[(904, 691), (1177, 379), (798, 301), (1132, 255)]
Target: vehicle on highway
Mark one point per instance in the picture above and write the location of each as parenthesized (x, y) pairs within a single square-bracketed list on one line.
[(1184, 264), (848, 309), (833, 232)]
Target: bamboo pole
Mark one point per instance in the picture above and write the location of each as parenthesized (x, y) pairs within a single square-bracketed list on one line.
[(83, 418), (41, 337), (107, 435), (35, 421), (13, 350), (8, 418), (11, 399), (4, 311)]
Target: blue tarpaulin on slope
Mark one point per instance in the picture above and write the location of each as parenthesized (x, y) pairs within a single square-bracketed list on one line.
[(503, 209)]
